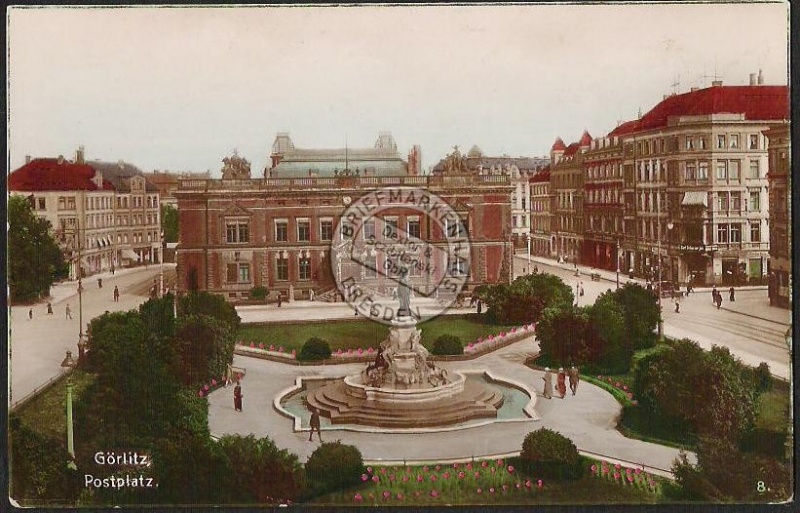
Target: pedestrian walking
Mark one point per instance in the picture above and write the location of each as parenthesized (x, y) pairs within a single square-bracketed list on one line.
[(548, 383), (561, 382), (116, 294), (719, 300), (49, 309), (480, 306), (581, 289), (677, 306), (714, 293), (280, 299), (732, 295), (574, 378), (69, 312), (99, 283), (535, 269), (30, 314), (315, 425), (237, 397), (311, 294)]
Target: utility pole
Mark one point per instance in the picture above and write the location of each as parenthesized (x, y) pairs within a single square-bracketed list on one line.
[(161, 262), (80, 280), (658, 218), (617, 263)]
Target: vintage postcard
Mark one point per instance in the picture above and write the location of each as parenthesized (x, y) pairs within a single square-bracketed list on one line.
[(399, 255)]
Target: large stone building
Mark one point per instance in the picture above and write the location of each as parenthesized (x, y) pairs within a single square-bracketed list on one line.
[(104, 215), (542, 208), (780, 215), (278, 233), (566, 185), (167, 183)]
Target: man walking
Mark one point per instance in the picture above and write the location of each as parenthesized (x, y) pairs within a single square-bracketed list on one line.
[(116, 294), (49, 309), (237, 397), (573, 379), (30, 314), (719, 300), (69, 312), (732, 294), (315, 424)]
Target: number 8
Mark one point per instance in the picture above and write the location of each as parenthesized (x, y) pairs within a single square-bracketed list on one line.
[(761, 487)]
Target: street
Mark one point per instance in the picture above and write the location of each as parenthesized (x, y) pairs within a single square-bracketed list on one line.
[(37, 346), (750, 328)]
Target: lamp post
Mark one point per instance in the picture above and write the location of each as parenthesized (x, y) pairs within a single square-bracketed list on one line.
[(529, 251), (617, 263), (790, 431), (161, 263), (69, 363)]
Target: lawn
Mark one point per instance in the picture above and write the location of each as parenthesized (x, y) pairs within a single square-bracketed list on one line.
[(47, 411), (773, 408), (490, 482), (364, 333)]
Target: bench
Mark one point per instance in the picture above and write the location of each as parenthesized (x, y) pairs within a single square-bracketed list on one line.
[(595, 276)]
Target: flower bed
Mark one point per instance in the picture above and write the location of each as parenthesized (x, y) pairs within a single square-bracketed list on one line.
[(625, 476), (212, 385), (442, 484), (492, 341), (262, 349), (621, 392)]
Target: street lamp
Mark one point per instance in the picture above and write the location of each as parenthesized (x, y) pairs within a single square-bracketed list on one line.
[(69, 363), (529, 252), (618, 263), (161, 262), (787, 337)]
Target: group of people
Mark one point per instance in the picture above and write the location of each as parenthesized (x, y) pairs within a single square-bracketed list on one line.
[(716, 296), (561, 381)]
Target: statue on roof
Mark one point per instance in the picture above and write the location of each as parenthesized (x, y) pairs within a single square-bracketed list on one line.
[(235, 167), (455, 163)]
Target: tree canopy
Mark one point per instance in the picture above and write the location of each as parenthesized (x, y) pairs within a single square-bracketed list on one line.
[(34, 259), (169, 222), (524, 300)]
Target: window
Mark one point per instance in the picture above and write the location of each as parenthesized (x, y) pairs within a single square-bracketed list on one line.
[(722, 233), (736, 201), (303, 230), (755, 232), (701, 143), (753, 141), (232, 273), (733, 169), (42, 205), (735, 141), (244, 273), (755, 171), (370, 266), (691, 172), (720, 142), (722, 201), (690, 143), (347, 230), (736, 235), (326, 229), (755, 200), (702, 171), (413, 227), (282, 231), (457, 265), (369, 229), (722, 170), (237, 232), (305, 268), (390, 227), (282, 268)]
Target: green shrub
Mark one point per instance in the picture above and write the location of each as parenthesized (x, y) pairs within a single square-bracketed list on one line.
[(763, 378), (332, 467), (314, 349), (259, 293), (550, 454), (448, 345)]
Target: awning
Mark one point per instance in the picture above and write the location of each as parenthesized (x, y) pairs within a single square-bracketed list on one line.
[(108, 240), (695, 198), (129, 254)]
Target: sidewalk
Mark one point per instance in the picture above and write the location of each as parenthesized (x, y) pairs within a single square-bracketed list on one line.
[(69, 288)]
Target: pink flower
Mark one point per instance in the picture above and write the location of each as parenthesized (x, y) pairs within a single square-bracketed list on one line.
[(253, 344), (484, 464), (630, 395), (364, 477), (425, 468), (200, 393), (294, 352), (205, 387), (519, 485), (446, 475), (338, 351), (350, 350), (261, 345), (502, 333), (358, 498), (617, 384), (420, 478), (438, 467), (469, 466), (638, 471), (477, 475), (491, 490), (461, 475), (213, 382), (391, 477), (616, 475), (455, 465), (499, 462), (479, 491), (594, 469), (513, 330), (539, 483), (360, 350), (628, 470), (405, 479), (493, 470), (370, 350), (387, 494), (490, 337), (625, 387), (528, 483), (505, 487), (630, 479), (434, 493), (617, 466), (272, 347), (433, 477), (375, 479), (281, 349), (369, 469), (400, 496), (605, 470), (383, 470)]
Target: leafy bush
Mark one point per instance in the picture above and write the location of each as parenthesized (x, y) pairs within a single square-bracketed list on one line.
[(333, 466), (551, 454), (763, 378), (259, 293), (314, 349), (448, 345)]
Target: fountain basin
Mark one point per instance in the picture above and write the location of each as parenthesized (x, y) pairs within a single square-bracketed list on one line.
[(402, 394)]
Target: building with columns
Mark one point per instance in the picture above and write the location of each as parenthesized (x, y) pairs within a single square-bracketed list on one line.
[(780, 214)]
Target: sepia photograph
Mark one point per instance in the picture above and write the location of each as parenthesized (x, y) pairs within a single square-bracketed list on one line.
[(399, 255)]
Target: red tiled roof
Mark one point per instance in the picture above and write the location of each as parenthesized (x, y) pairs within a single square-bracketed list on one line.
[(541, 176), (572, 149), (558, 145), (755, 102), (625, 128), (49, 175), (586, 139)]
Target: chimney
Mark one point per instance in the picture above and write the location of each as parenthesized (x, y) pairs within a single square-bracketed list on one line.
[(752, 79), (716, 83), (60, 159), (79, 155), (27, 159), (760, 78), (693, 89)]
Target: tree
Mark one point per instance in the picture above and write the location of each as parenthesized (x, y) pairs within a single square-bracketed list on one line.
[(563, 336), (205, 347), (262, 473), (34, 259), (524, 300), (213, 305), (169, 222), (610, 347), (641, 311), (333, 466)]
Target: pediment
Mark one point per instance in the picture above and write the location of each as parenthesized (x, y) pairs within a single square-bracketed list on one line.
[(236, 210)]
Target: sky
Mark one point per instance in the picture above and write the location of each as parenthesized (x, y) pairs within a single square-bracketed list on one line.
[(179, 89)]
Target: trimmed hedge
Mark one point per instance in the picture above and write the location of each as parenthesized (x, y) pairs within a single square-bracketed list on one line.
[(447, 345), (259, 293), (314, 349), (550, 454), (332, 467)]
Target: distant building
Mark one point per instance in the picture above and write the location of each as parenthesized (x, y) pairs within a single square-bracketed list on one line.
[(780, 215), (383, 159), (567, 187), (167, 182), (105, 212), (542, 207)]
